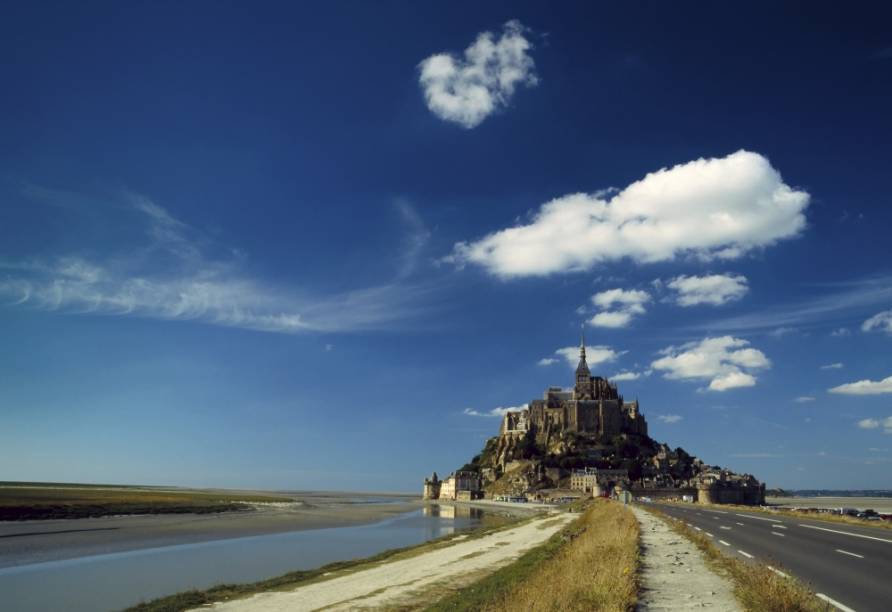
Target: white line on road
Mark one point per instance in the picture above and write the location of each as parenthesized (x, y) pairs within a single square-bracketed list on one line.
[(833, 603), (848, 533), (745, 554), (741, 524), (845, 552), (777, 534), (759, 518), (698, 529), (778, 572), (707, 533), (723, 542), (778, 527), (724, 527), (716, 518)]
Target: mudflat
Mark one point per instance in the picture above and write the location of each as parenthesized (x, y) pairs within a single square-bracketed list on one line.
[(24, 542), (880, 504)]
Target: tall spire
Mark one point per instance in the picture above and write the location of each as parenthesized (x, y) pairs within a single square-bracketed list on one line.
[(582, 368), (582, 342)]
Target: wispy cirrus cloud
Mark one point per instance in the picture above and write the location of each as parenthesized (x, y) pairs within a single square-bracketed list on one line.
[(669, 418), (495, 412), (594, 355), (720, 208), (467, 90), (173, 277), (882, 321)]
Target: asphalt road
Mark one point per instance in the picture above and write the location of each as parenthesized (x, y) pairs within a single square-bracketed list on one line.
[(850, 565)]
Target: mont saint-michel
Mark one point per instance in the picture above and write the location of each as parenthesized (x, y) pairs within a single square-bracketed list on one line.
[(587, 438)]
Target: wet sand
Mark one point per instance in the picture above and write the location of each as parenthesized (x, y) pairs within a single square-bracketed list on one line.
[(880, 504), (24, 542)]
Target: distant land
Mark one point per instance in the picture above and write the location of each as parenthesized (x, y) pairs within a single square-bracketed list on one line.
[(828, 493)]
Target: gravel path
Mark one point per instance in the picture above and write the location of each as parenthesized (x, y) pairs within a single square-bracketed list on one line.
[(398, 583), (674, 574)]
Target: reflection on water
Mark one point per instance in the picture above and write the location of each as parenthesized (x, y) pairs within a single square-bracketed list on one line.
[(118, 580), (449, 511)]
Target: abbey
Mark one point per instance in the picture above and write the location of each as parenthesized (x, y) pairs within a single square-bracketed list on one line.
[(593, 406)]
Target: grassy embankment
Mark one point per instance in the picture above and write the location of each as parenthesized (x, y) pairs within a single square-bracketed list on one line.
[(756, 587), (28, 501), (814, 516), (592, 564), (292, 580)]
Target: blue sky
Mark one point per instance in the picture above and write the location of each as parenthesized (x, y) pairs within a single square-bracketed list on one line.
[(293, 246)]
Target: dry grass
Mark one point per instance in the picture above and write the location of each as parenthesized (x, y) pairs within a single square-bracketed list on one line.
[(590, 565), (756, 587)]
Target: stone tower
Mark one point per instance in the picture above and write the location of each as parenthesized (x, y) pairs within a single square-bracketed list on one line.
[(583, 375)]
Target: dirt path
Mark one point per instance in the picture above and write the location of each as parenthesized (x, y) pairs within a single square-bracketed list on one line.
[(674, 575), (400, 582)]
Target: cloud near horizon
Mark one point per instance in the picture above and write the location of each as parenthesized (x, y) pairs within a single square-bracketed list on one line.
[(885, 423), (718, 208), (865, 387), (669, 418), (881, 321), (726, 362), (467, 91), (495, 412)]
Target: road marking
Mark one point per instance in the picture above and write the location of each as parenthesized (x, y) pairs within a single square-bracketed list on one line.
[(833, 603), (778, 527), (777, 534), (848, 533), (745, 554), (741, 524), (716, 518), (759, 518), (845, 552), (723, 542), (698, 529), (724, 527), (778, 572), (707, 533)]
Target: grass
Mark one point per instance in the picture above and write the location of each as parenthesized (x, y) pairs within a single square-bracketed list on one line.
[(814, 516), (28, 501), (591, 564), (286, 582), (756, 587)]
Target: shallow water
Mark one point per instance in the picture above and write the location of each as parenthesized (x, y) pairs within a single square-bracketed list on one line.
[(118, 580)]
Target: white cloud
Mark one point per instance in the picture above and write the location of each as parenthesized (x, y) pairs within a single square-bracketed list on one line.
[(619, 307), (713, 289), (495, 412), (716, 208), (625, 376), (547, 361), (780, 332), (832, 366), (865, 387), (804, 398), (841, 332), (881, 321), (669, 418), (885, 423), (726, 362), (466, 91), (594, 355)]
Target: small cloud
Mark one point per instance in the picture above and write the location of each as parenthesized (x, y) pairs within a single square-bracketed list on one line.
[(833, 366), (804, 398), (594, 355), (865, 387), (625, 376), (726, 362), (467, 90), (329, 348), (868, 423), (755, 455), (618, 307), (807, 419), (714, 289), (881, 321), (495, 412), (547, 361), (669, 418), (841, 332), (782, 331)]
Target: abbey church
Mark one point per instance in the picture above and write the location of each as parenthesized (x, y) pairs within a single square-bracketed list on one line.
[(593, 406)]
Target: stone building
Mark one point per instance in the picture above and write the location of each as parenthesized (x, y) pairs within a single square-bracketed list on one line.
[(431, 487), (462, 486), (591, 406), (595, 480)]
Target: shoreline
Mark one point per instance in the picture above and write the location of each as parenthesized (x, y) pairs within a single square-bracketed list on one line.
[(38, 541)]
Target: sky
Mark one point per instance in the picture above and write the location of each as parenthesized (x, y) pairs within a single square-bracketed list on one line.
[(295, 246)]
